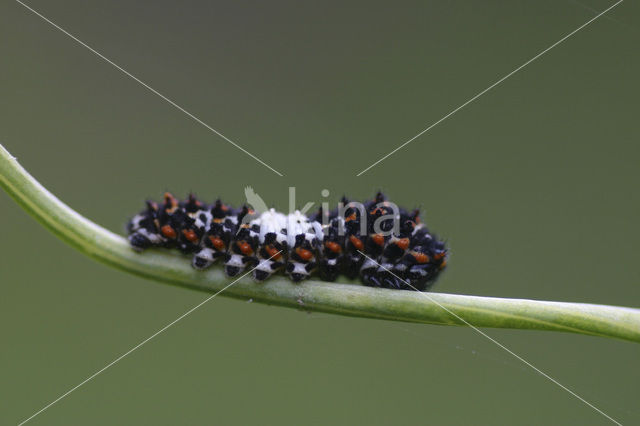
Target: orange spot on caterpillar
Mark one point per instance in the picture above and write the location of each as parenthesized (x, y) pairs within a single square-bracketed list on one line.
[(304, 254), (420, 257), (168, 231), (439, 255), (378, 239), (218, 220), (443, 265), (351, 217), (357, 243), (245, 248), (273, 252), (403, 243), (334, 247), (190, 235), (217, 243)]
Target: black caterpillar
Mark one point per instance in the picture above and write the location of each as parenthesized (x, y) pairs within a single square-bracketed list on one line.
[(400, 251)]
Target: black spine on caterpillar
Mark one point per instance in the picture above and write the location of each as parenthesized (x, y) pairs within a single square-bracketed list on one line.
[(384, 245)]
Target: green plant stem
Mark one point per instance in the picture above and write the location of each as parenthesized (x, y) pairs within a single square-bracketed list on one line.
[(344, 299)]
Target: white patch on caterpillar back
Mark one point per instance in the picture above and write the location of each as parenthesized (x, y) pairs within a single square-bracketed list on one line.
[(268, 267), (299, 268), (205, 254), (236, 260), (265, 265), (271, 221), (297, 224), (135, 222), (199, 223), (151, 236)]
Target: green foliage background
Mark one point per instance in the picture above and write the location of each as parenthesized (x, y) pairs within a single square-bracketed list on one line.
[(534, 185)]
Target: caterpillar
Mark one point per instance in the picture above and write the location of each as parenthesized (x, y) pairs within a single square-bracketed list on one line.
[(385, 246)]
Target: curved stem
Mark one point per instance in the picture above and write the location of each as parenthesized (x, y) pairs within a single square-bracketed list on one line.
[(344, 299)]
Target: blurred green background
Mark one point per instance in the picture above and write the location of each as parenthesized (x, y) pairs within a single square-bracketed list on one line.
[(534, 185)]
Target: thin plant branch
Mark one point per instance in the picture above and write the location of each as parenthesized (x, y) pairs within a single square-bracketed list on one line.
[(336, 298)]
